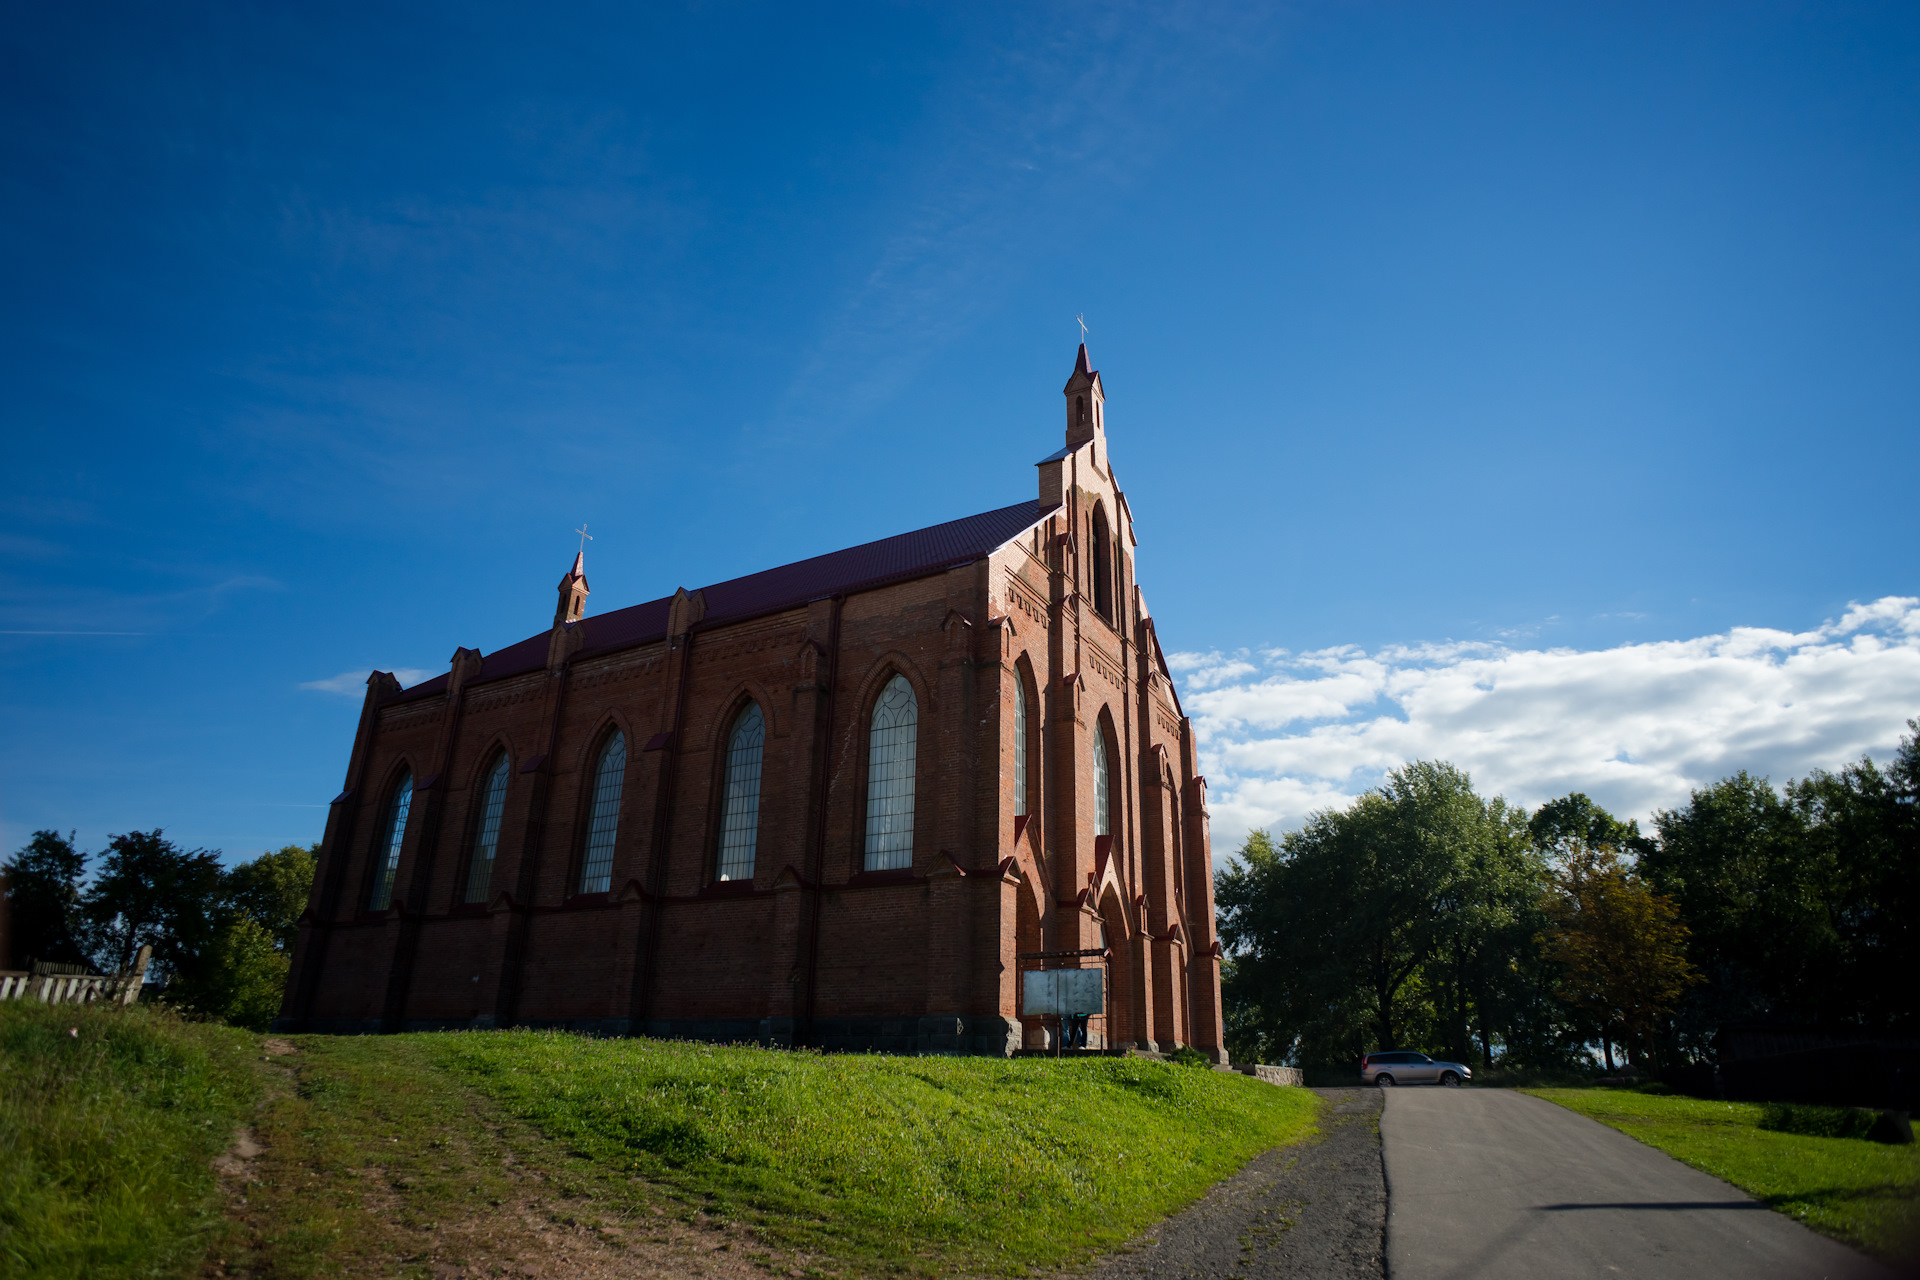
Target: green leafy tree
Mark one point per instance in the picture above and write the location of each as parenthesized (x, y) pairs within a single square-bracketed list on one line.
[(1393, 920), (1574, 819), (43, 899), (1861, 848), (244, 978), (272, 890), (245, 972), (1804, 903), (151, 892), (1735, 860)]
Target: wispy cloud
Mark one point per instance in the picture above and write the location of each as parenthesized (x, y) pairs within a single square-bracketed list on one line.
[(1065, 109), (94, 611), (1636, 726), (353, 684)]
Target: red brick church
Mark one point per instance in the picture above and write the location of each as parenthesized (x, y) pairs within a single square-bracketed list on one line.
[(832, 803)]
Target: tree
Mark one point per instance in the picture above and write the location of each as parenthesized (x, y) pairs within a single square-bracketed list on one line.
[(244, 978), (245, 975), (43, 892), (1395, 919), (150, 892), (1622, 947), (1804, 903), (272, 890), (1575, 818)]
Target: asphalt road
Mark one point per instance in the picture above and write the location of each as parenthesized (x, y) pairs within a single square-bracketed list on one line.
[(1311, 1210), (1487, 1184)]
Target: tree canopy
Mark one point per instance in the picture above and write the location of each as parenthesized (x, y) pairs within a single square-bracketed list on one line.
[(222, 937), (1423, 915), (1383, 923)]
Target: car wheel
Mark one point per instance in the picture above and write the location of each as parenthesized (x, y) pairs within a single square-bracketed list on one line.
[(1383, 1081), (1450, 1079)]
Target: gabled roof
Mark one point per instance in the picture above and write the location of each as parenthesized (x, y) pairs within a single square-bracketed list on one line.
[(873, 564)]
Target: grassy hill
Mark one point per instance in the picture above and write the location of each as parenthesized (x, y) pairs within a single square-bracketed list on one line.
[(416, 1154)]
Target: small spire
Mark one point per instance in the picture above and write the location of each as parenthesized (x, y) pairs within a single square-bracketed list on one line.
[(1080, 366), (573, 587)]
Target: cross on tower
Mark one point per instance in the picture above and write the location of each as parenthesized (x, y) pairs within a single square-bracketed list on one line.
[(585, 537), (1081, 319)]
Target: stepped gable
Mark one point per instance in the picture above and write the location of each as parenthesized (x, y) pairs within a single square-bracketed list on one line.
[(904, 556)]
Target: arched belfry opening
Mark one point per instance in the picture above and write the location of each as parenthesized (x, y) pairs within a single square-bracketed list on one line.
[(1101, 554)]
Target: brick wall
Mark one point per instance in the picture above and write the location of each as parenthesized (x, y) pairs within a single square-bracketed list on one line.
[(813, 947)]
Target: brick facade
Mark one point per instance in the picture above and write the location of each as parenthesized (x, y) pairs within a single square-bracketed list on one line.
[(814, 948)]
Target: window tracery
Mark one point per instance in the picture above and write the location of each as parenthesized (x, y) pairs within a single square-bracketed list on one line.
[(1102, 785), (399, 804), (891, 746), (740, 809), (1019, 744), (609, 775), (487, 838)]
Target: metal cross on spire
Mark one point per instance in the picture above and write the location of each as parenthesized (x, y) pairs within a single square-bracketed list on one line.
[(1081, 319), (585, 537)]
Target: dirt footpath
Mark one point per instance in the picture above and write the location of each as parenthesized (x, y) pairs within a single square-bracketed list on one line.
[(1318, 1209)]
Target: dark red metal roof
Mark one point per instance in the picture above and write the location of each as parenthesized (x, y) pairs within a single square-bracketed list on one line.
[(873, 564)]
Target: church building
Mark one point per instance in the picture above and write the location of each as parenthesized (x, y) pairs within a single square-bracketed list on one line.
[(843, 803)]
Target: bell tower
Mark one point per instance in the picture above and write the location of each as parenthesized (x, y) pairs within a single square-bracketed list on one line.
[(1086, 404), (573, 593)]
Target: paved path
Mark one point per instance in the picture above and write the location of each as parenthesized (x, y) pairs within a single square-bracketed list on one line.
[(1487, 1184), (1313, 1210)]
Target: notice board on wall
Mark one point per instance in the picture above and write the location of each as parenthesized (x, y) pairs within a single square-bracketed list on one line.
[(1059, 992)]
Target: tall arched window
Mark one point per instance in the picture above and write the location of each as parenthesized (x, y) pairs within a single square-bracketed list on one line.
[(890, 756), (596, 869), (1102, 565), (1019, 744), (392, 832), (493, 799), (740, 811), (1102, 785)]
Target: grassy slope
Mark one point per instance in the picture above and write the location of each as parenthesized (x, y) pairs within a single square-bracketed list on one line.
[(404, 1155), (1861, 1192), (106, 1137), (922, 1163)]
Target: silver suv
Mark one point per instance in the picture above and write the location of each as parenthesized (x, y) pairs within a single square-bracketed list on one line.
[(1403, 1067)]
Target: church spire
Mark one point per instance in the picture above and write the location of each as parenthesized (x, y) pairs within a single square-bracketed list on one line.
[(1086, 402), (573, 591)]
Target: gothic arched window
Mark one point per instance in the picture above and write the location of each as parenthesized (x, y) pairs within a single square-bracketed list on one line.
[(890, 760), (740, 810), (392, 831), (1019, 744), (1102, 565), (603, 823), (1102, 785), (493, 799)]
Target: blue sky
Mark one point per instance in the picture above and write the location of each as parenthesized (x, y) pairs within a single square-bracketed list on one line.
[(1434, 336)]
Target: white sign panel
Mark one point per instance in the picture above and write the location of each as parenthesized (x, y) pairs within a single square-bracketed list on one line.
[(1057, 992)]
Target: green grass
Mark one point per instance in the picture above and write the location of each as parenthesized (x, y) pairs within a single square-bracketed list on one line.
[(1864, 1193), (488, 1153), (928, 1164), (109, 1119)]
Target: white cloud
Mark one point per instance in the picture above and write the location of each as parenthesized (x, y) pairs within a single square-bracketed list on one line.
[(353, 684), (1637, 726)]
